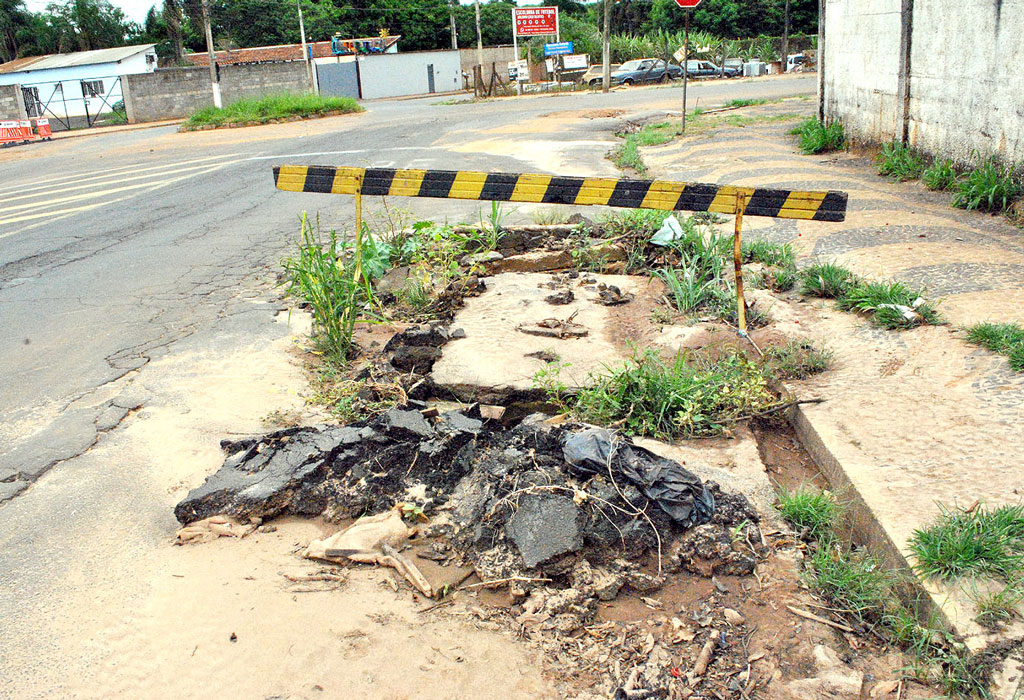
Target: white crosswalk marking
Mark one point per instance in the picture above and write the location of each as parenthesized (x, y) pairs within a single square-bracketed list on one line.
[(51, 199)]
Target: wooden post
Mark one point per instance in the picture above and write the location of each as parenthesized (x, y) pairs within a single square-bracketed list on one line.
[(737, 257)]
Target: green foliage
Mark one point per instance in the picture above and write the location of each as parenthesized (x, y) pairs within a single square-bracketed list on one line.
[(778, 279), (817, 511), (768, 253), (999, 606), (336, 288), (1004, 338), (976, 542), (817, 137), (687, 290), (891, 305), (684, 398), (990, 186), (900, 162), (855, 582), (826, 280), (744, 103), (626, 156), (797, 359), (940, 175), (641, 223), (261, 110)]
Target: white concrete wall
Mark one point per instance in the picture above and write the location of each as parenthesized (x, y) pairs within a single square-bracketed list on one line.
[(395, 75), (862, 45), (966, 76)]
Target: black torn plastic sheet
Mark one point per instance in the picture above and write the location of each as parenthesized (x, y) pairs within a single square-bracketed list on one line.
[(678, 492)]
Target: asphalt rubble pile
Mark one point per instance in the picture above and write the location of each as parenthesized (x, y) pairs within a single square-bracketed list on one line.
[(565, 516)]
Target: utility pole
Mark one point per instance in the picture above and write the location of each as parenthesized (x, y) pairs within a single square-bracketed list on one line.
[(785, 41), (451, 16), (214, 82), (686, 69), (606, 48), (480, 39), (305, 50)]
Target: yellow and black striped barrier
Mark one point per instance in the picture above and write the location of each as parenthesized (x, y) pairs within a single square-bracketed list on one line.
[(666, 195), (553, 189)]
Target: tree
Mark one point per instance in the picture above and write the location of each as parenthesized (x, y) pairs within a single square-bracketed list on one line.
[(13, 19)]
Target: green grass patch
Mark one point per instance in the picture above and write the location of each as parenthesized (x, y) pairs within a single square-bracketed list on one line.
[(335, 286), (268, 108), (980, 542), (641, 223), (998, 607), (777, 279), (891, 305), (627, 154), (687, 397), (817, 137), (797, 359), (805, 508), (1004, 338), (900, 162), (826, 280), (989, 187), (744, 103), (768, 253), (940, 175)]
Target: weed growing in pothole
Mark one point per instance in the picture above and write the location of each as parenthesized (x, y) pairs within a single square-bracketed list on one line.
[(797, 359), (688, 397), (1004, 338)]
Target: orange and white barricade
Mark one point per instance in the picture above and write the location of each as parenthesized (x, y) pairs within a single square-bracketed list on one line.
[(10, 132), (43, 128), (26, 130)]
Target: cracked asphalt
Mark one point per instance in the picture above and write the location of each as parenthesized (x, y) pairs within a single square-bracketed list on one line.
[(121, 249)]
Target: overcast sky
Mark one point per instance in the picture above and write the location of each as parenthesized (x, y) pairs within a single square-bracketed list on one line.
[(137, 9)]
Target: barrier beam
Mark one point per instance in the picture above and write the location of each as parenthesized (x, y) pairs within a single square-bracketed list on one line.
[(666, 195)]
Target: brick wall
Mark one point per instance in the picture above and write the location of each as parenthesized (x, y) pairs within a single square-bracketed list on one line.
[(11, 104), (171, 93)]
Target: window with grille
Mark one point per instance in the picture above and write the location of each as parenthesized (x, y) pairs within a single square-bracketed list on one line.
[(92, 88)]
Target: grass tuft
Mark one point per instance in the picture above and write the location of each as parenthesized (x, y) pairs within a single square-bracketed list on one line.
[(900, 162), (805, 508), (744, 102), (264, 109), (1004, 338), (891, 305), (940, 175), (768, 253), (826, 280), (797, 359), (816, 137), (684, 398), (988, 187), (976, 542)]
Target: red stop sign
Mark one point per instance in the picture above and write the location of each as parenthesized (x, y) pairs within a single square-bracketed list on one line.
[(688, 3)]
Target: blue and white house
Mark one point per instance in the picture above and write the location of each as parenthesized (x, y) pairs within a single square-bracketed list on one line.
[(76, 85)]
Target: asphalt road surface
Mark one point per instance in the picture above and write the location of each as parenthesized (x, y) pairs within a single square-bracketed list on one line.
[(120, 248)]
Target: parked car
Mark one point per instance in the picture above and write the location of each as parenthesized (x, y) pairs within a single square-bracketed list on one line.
[(707, 69), (595, 73), (642, 70), (794, 60)]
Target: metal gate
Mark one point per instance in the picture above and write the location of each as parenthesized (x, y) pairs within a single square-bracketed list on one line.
[(338, 79), (76, 103)]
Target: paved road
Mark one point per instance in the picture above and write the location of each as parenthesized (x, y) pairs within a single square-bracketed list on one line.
[(114, 246), (117, 250)]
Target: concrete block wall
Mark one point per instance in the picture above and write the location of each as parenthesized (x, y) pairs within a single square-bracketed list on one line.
[(398, 74), (966, 75), (170, 93), (12, 104)]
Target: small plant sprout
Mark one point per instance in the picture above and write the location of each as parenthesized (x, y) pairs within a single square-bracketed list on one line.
[(817, 137), (1004, 338), (900, 162), (810, 509), (826, 280)]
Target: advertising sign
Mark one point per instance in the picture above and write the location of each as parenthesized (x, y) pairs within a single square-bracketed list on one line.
[(558, 49), (535, 21)]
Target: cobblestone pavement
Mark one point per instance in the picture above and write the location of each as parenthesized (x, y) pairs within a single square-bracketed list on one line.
[(915, 420), (971, 263)]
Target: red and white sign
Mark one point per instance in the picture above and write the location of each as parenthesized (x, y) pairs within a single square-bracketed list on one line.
[(536, 21), (688, 3)]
